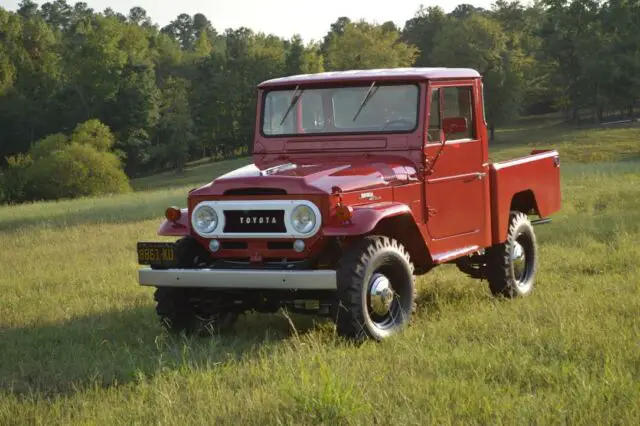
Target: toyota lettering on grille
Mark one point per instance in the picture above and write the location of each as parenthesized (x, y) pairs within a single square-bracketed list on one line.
[(258, 220), (254, 221)]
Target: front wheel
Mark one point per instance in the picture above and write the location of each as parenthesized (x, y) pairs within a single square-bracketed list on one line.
[(512, 265), (376, 289), (184, 310)]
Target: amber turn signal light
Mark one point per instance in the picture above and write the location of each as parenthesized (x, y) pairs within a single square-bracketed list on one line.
[(172, 214), (343, 213)]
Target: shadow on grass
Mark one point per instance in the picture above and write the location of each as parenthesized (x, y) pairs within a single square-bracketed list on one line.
[(119, 347)]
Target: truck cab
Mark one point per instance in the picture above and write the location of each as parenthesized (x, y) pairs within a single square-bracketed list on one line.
[(359, 182)]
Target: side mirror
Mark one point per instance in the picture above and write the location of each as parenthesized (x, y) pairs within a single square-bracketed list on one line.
[(454, 125)]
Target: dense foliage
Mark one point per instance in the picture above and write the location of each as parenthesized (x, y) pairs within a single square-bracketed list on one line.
[(186, 91), (61, 166)]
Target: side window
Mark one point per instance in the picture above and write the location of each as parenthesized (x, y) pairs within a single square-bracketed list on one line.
[(458, 102), (433, 131)]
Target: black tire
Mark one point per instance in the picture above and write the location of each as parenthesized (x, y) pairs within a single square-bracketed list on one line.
[(384, 263), (180, 312), (509, 274), (189, 252)]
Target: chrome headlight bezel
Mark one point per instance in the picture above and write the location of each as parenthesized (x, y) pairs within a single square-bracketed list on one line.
[(213, 223), (309, 226)]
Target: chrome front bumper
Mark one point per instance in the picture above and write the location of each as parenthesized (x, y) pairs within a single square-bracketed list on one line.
[(239, 279)]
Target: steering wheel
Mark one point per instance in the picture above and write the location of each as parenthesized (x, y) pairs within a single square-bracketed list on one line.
[(389, 123)]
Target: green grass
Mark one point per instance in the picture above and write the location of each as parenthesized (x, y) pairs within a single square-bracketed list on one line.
[(80, 343), (575, 145), (192, 176)]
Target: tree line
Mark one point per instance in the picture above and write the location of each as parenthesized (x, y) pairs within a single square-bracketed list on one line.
[(145, 98)]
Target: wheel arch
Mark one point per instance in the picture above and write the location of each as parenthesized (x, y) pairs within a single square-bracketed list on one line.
[(525, 202), (389, 219), (522, 201), (403, 228)]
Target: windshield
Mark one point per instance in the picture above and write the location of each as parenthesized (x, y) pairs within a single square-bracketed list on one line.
[(361, 109)]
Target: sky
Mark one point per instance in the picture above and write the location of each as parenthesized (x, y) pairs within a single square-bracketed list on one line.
[(311, 18)]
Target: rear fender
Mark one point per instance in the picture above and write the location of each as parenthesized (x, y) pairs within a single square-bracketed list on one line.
[(180, 228)]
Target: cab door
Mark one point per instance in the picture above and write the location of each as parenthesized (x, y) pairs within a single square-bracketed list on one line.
[(455, 172)]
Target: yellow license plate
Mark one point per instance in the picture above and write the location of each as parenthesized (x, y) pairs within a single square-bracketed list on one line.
[(162, 254)]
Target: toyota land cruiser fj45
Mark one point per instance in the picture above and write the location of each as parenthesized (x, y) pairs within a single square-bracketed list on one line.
[(360, 181)]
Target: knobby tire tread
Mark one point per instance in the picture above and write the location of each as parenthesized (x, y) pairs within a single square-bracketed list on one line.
[(350, 277)]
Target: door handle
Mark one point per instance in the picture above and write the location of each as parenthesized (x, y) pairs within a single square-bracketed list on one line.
[(481, 175)]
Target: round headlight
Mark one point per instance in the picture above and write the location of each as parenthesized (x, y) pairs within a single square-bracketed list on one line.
[(303, 219), (205, 219)]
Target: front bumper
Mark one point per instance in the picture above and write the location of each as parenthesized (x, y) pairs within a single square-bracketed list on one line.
[(239, 279)]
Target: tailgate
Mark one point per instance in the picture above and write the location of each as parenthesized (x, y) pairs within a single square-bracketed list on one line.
[(538, 173)]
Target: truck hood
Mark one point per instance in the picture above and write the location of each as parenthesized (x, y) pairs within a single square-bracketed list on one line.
[(313, 178)]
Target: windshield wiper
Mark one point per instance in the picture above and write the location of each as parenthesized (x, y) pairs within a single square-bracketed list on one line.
[(294, 99), (365, 100)]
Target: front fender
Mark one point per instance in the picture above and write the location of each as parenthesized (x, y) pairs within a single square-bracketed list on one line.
[(365, 218), (180, 228)]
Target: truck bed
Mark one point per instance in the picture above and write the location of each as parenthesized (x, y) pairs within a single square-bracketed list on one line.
[(532, 180)]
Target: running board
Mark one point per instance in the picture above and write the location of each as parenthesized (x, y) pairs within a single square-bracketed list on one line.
[(448, 256)]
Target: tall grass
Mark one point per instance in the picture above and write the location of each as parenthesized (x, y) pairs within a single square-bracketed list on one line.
[(80, 342)]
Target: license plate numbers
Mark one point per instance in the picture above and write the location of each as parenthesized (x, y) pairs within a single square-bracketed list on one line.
[(160, 254)]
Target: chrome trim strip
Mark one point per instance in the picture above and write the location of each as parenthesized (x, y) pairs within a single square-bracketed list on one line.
[(286, 205), (239, 279)]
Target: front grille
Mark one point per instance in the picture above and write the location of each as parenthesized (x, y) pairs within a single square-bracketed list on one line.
[(254, 221)]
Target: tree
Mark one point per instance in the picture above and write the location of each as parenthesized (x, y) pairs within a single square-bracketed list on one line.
[(175, 130), (465, 10), (421, 31), (479, 42), (181, 30), (295, 56), (61, 166), (77, 170), (336, 30), (138, 16), (363, 45), (29, 77), (186, 91), (57, 14), (569, 34), (27, 9)]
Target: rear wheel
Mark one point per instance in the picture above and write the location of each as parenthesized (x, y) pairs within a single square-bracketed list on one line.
[(512, 266), (376, 289)]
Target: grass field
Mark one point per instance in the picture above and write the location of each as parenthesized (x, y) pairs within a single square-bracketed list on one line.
[(80, 343)]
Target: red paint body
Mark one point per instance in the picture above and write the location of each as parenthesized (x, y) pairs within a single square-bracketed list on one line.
[(455, 207)]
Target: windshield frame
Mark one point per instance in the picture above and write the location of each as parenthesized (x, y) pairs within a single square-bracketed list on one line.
[(346, 85)]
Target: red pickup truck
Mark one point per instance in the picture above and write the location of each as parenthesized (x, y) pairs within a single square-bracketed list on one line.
[(360, 181)]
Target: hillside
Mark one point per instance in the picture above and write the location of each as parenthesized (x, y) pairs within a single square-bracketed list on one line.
[(80, 342)]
